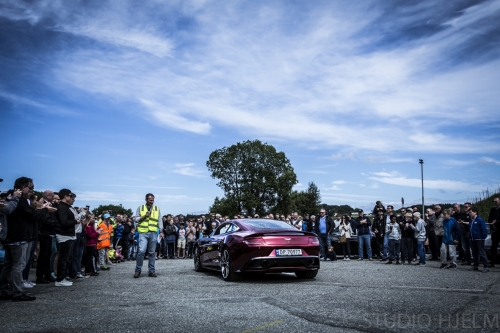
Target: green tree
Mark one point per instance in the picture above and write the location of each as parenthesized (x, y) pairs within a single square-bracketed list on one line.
[(254, 176), (224, 206), (114, 209), (307, 201)]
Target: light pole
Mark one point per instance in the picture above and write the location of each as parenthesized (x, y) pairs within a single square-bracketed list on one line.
[(421, 161)]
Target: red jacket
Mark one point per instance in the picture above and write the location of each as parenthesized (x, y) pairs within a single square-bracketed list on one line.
[(92, 235)]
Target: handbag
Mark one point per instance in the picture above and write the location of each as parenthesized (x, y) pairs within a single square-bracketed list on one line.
[(342, 239)]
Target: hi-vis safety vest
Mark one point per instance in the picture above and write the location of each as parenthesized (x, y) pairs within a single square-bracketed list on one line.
[(104, 240), (150, 223)]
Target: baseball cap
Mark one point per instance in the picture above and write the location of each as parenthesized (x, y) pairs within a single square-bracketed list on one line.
[(106, 216)]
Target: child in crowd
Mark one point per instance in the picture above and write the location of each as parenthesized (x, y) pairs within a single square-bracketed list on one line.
[(133, 243), (181, 241), (451, 237), (118, 234), (170, 234), (394, 233), (331, 255)]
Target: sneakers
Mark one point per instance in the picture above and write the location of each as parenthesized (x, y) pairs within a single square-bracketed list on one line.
[(348, 259), (383, 259), (359, 259), (152, 274), (398, 263), (370, 259), (64, 283), (42, 281), (105, 268), (452, 266), (137, 274), (23, 298), (422, 264), (485, 270), (27, 284), (94, 274), (53, 275), (81, 276), (389, 263)]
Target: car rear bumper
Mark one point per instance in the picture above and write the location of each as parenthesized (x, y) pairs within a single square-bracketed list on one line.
[(281, 264)]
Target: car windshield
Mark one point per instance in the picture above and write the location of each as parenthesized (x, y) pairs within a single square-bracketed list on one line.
[(269, 224)]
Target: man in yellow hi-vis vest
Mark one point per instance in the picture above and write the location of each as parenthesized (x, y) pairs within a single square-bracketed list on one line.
[(147, 226)]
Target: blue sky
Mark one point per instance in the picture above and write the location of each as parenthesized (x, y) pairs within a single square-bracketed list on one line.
[(114, 99)]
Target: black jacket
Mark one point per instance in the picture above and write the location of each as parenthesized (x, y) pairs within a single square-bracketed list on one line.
[(21, 223), (65, 220), (47, 224), (363, 229), (379, 224), (329, 224), (495, 215)]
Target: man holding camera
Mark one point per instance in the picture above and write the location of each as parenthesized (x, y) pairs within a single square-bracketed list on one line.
[(147, 226)]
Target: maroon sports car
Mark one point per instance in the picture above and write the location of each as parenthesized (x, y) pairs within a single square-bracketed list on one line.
[(258, 246)]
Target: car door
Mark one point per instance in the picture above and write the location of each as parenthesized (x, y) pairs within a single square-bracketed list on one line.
[(210, 247)]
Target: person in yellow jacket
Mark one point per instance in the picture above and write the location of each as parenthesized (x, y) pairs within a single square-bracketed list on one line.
[(104, 241), (148, 216)]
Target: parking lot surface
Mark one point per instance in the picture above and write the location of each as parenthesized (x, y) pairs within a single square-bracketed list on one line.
[(346, 296)]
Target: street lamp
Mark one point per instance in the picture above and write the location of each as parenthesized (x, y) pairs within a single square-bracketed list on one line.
[(421, 161)]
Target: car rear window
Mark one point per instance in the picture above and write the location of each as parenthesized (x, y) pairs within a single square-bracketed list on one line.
[(269, 224)]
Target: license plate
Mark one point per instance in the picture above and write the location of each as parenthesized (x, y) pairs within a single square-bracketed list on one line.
[(289, 252)]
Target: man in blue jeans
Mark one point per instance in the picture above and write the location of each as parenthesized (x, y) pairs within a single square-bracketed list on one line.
[(363, 226), (323, 227), (387, 217), (147, 226)]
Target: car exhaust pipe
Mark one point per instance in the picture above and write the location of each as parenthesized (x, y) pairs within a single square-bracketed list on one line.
[(265, 263)]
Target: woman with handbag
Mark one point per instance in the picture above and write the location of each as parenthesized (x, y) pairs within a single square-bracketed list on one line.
[(345, 237)]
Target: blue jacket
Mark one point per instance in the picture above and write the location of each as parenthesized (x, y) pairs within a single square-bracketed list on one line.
[(119, 231), (477, 229), (451, 231)]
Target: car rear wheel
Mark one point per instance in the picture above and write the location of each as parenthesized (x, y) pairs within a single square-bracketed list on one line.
[(226, 267), (306, 274), (197, 260)]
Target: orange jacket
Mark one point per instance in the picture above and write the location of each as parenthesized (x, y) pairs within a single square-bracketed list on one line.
[(104, 240)]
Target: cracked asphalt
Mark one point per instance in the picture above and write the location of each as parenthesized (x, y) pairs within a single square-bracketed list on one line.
[(345, 297)]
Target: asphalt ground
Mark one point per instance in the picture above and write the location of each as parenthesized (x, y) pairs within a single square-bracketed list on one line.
[(346, 296)]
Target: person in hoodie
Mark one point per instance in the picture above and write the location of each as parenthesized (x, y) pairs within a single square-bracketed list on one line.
[(421, 237), (451, 236), (478, 234)]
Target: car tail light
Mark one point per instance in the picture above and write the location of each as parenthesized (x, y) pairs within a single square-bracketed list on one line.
[(254, 241), (313, 241)]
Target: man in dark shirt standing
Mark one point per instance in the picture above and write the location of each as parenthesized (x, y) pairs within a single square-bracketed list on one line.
[(363, 226), (65, 235)]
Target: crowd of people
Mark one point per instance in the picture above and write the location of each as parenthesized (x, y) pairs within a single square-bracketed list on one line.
[(65, 242)]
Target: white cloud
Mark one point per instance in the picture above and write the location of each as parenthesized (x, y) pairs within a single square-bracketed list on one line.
[(340, 156), (339, 182), (488, 160), (188, 169), (135, 38), (395, 178)]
